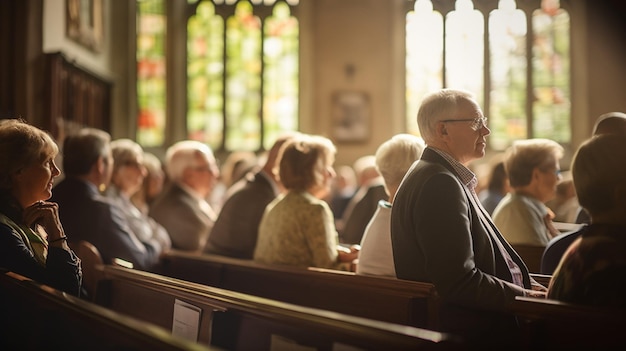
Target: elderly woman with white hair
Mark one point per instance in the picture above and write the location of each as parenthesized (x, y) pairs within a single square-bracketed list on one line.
[(127, 178), (393, 158)]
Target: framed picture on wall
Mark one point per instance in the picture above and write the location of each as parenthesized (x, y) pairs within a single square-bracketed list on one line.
[(351, 116), (85, 23)]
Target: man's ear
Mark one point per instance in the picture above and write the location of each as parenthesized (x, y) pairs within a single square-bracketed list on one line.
[(441, 129), (101, 165)]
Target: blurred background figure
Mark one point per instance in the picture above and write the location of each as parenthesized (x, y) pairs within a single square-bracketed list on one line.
[(393, 159), (565, 204), (612, 123), (343, 189), (152, 184), (236, 228), (608, 123), (496, 189), (127, 178), (593, 269), (298, 228), (363, 204), (85, 213), (533, 169), (183, 207), (234, 168)]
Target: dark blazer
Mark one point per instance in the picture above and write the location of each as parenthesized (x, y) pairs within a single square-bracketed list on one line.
[(236, 228), (441, 234), (180, 213), (62, 269), (87, 215), (360, 215)]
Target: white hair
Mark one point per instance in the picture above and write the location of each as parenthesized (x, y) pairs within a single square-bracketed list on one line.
[(438, 106), (182, 155), (395, 156)]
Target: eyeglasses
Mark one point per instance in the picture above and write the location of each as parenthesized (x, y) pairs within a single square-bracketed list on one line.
[(477, 123), (133, 164)]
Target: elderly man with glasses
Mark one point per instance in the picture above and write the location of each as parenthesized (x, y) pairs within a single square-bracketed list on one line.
[(441, 234)]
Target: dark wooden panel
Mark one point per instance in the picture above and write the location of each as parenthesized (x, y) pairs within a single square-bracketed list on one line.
[(76, 97)]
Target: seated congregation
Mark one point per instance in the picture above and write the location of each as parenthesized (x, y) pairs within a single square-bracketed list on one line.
[(430, 256)]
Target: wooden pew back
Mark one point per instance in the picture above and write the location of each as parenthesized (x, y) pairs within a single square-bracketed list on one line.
[(549, 324), (38, 317), (238, 321), (385, 299)]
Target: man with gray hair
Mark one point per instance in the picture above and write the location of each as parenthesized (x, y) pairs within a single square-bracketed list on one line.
[(441, 234), (182, 208), (85, 213)]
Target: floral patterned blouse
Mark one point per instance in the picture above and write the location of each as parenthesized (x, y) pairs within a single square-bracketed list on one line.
[(593, 269), (297, 229)]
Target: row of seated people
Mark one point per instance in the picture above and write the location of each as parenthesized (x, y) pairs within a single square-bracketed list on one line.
[(318, 152)]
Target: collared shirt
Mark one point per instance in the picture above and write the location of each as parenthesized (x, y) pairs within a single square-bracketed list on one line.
[(469, 179)]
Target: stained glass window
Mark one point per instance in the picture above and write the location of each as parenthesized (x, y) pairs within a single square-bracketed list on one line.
[(495, 67), (242, 73), (205, 76), (280, 75), (551, 67), (151, 74)]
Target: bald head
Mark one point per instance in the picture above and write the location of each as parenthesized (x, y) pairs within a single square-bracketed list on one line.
[(611, 123)]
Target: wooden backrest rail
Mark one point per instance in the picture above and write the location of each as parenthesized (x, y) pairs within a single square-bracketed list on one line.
[(135, 292), (548, 323), (385, 299), (38, 317)]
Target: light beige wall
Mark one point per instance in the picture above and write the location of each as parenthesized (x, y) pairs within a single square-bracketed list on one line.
[(55, 39), (357, 34)]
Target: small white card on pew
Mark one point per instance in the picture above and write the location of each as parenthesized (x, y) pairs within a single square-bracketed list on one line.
[(186, 323)]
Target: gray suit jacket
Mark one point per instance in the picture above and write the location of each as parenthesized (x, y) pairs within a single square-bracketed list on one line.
[(236, 228), (181, 215)]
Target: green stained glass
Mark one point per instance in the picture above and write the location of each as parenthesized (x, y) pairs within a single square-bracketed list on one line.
[(507, 43), (280, 74), (243, 79), (464, 44), (551, 67), (424, 58), (151, 73), (205, 76)]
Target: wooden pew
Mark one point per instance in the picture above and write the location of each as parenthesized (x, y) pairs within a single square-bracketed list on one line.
[(38, 317), (553, 325), (237, 321), (379, 298), (531, 255)]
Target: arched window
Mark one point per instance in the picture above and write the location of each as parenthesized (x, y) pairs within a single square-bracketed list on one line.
[(515, 57), (242, 73)]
